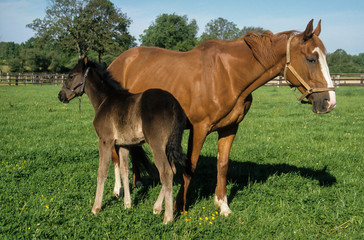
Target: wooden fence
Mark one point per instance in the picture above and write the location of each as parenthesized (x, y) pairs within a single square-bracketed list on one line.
[(339, 79), (31, 78)]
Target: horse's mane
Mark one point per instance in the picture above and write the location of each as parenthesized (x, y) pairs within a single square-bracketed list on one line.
[(107, 81), (261, 46)]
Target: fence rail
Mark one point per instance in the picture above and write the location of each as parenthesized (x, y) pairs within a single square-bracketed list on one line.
[(339, 79), (31, 78)]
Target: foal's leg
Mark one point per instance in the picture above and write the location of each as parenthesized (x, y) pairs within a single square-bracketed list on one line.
[(116, 163), (124, 169), (166, 178), (105, 148), (195, 143), (225, 141)]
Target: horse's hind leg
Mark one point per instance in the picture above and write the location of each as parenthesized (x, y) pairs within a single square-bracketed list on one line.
[(166, 178), (124, 170), (105, 148)]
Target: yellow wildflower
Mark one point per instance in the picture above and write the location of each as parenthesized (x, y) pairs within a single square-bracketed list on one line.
[(47, 207)]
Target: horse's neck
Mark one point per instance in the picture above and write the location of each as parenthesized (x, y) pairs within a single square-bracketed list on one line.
[(95, 93), (261, 74)]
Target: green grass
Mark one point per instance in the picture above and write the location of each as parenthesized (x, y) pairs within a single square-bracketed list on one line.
[(293, 174)]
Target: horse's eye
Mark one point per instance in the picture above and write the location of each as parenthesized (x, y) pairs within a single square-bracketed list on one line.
[(312, 59)]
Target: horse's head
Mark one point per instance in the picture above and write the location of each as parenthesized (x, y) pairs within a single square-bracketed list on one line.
[(74, 85), (306, 68)]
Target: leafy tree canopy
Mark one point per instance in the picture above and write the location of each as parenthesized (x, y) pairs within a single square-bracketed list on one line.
[(83, 25), (172, 32), (222, 29)]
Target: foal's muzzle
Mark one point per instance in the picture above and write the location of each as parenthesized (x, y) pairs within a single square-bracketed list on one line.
[(62, 96)]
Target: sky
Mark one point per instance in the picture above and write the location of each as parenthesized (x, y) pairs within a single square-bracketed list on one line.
[(342, 20)]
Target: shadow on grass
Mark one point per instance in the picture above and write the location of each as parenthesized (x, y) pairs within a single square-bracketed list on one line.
[(241, 173)]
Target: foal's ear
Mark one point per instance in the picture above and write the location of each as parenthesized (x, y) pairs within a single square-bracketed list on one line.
[(318, 29), (307, 34)]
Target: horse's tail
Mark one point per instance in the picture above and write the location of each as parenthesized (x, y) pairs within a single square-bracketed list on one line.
[(174, 149)]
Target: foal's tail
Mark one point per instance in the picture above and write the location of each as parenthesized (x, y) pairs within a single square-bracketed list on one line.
[(174, 149)]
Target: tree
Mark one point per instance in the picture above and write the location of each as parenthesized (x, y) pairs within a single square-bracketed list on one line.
[(108, 27), (220, 29), (82, 25), (172, 32), (246, 30)]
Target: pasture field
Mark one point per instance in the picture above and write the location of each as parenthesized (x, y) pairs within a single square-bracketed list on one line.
[(293, 174)]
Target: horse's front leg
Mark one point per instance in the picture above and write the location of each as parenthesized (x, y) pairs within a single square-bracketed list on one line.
[(226, 138), (124, 170), (105, 148), (195, 142)]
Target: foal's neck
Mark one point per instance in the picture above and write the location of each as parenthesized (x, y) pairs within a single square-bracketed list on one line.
[(94, 90)]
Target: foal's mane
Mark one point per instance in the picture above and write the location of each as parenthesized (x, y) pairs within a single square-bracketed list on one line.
[(261, 46), (107, 82)]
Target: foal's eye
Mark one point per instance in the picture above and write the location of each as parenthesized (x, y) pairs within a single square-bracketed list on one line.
[(312, 59)]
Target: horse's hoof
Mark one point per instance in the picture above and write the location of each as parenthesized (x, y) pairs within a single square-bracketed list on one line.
[(225, 213), (222, 206), (138, 184)]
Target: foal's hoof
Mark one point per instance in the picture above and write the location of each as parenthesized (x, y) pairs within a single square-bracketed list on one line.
[(127, 205), (157, 211), (95, 210), (118, 193), (167, 220)]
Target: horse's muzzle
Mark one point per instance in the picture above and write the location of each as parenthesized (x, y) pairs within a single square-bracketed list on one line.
[(323, 102)]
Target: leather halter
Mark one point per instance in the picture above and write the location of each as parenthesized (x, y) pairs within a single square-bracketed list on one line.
[(304, 84), (79, 85)]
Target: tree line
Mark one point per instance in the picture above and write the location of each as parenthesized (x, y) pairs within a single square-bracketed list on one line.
[(75, 28)]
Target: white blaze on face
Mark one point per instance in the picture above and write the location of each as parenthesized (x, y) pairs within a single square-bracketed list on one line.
[(325, 71)]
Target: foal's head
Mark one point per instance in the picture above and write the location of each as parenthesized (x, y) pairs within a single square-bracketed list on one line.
[(306, 68), (88, 72), (74, 85)]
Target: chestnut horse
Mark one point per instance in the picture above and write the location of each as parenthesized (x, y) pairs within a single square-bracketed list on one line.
[(214, 84), (123, 120)]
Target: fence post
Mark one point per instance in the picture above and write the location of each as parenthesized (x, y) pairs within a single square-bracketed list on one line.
[(25, 80), (17, 79), (337, 80), (8, 78), (362, 80)]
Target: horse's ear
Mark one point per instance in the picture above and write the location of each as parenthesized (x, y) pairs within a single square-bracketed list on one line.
[(307, 34), (318, 29), (261, 46), (85, 60)]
